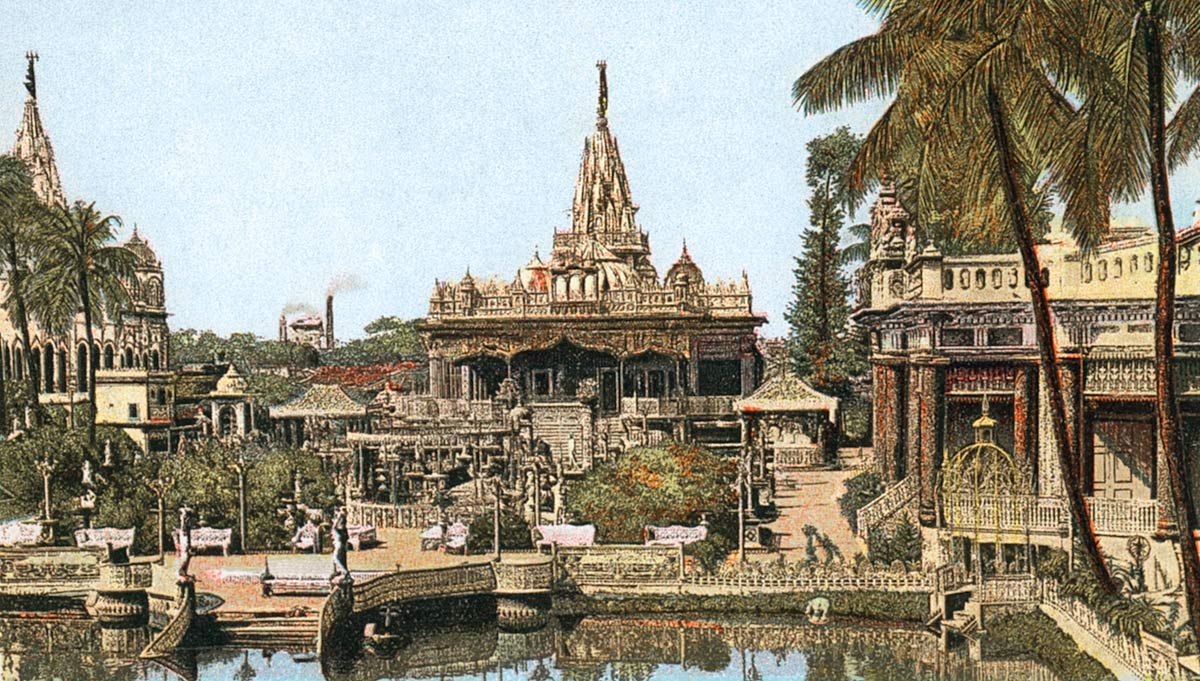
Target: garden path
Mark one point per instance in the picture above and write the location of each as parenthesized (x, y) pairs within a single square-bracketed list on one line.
[(810, 498)]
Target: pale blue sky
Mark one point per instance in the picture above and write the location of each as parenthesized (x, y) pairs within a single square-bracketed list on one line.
[(265, 147)]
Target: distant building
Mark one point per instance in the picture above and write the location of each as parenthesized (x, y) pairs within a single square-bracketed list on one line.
[(133, 386)]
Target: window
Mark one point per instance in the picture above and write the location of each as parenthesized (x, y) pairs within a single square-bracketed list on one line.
[(1005, 337), (720, 377), (134, 414), (958, 337), (542, 382)]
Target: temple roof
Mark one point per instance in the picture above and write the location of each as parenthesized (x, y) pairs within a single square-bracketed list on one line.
[(33, 145), (602, 202), (231, 382), (321, 400), (787, 392), (142, 249)]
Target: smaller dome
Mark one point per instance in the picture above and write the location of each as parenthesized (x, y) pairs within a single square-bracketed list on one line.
[(232, 383), (141, 249), (685, 270)]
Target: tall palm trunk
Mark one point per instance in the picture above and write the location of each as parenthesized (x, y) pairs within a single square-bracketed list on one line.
[(21, 317), (85, 299), (1047, 347), (1167, 405)]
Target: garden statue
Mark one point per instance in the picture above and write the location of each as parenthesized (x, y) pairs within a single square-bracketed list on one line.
[(184, 544), (817, 610), (341, 539)]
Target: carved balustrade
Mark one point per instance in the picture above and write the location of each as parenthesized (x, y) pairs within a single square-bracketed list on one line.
[(885, 505), (524, 577)]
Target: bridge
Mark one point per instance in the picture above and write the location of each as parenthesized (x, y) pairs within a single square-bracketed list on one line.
[(349, 600)]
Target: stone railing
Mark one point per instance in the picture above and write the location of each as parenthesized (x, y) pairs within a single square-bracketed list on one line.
[(1123, 516), (395, 587), (408, 516), (169, 638), (1009, 590), (48, 570), (952, 577), (908, 582), (1013, 514), (621, 567), (683, 405), (1125, 649), (524, 577), (1017, 514), (886, 504), (800, 456), (128, 576)]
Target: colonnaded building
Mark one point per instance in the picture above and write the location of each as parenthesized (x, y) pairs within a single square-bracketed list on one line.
[(133, 386), (962, 427)]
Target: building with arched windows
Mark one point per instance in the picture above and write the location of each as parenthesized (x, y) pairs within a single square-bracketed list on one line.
[(129, 354)]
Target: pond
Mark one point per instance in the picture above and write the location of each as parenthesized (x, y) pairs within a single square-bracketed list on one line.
[(589, 648)]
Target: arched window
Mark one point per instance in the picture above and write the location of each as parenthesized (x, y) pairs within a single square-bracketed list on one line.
[(108, 356), (48, 369), (154, 359), (36, 364), (128, 363), (18, 363), (62, 370), (81, 364), (95, 356)]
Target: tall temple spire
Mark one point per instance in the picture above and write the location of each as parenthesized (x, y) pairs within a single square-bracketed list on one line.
[(602, 207), (33, 144)]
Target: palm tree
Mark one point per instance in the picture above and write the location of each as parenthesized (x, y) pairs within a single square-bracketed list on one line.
[(22, 219), (1145, 49), (82, 271), (969, 83)]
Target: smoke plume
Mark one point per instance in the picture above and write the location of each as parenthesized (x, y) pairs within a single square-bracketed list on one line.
[(344, 283), (297, 308)]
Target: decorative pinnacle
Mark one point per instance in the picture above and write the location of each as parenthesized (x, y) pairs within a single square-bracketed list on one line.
[(602, 105), (30, 80)]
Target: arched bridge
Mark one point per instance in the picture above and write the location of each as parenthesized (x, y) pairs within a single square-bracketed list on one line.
[(351, 599)]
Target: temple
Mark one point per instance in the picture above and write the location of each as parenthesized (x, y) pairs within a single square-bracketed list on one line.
[(568, 362), (962, 424), (133, 385), (595, 318)]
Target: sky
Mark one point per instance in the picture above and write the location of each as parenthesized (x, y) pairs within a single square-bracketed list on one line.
[(265, 149)]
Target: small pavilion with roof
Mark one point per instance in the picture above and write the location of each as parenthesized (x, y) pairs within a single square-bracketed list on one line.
[(322, 415)]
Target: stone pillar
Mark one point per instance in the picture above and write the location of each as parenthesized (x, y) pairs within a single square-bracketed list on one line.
[(1071, 382), (1025, 434), (747, 373), (889, 402), (931, 423), (436, 383)]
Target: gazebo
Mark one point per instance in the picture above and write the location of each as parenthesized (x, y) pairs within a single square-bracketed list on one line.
[(322, 415), (787, 423)]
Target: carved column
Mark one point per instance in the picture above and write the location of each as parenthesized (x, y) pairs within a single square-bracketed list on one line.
[(1071, 383), (1025, 440), (889, 402), (931, 424)]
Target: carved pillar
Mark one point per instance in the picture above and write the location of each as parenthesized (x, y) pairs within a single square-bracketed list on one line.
[(747, 373), (1025, 440), (1071, 382), (889, 408), (931, 424), (437, 384)]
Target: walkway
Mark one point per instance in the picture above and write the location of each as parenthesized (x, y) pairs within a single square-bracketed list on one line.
[(811, 498)]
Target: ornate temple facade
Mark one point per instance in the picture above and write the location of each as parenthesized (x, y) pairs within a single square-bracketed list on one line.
[(536, 377), (130, 353), (962, 426)]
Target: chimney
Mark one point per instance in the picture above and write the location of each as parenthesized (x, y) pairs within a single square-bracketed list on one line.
[(329, 322)]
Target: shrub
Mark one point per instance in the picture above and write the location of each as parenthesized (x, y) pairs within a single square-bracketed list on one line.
[(861, 490), (514, 533)]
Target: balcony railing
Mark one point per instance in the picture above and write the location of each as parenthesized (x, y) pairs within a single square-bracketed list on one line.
[(1016, 514), (884, 505)]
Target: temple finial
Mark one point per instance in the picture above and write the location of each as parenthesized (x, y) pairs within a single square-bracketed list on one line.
[(602, 105), (30, 79)]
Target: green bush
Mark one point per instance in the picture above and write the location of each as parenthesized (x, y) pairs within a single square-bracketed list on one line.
[(903, 544), (1021, 634), (671, 484), (514, 533), (861, 490)]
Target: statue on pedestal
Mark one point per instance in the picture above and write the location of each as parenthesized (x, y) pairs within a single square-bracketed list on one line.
[(341, 540), (184, 544)]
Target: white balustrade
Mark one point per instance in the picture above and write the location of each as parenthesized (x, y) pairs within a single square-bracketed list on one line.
[(883, 506)]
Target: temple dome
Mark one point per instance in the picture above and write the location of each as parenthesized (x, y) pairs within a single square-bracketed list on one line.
[(141, 249), (534, 276), (685, 270)]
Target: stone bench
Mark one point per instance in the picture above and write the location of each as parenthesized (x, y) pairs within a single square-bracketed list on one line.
[(566, 535), (362, 535), (674, 535), (20, 534), (209, 538), (309, 537), (104, 537), (295, 586)]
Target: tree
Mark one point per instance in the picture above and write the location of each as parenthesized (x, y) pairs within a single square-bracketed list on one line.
[(21, 231), (389, 339), (820, 308), (978, 84), (82, 271), (673, 484), (514, 533), (1153, 45)]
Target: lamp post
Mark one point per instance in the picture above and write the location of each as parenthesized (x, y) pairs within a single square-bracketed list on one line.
[(496, 517), (46, 468), (159, 487), (743, 480), (239, 467)]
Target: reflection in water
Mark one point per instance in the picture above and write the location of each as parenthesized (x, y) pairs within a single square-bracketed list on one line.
[(590, 649)]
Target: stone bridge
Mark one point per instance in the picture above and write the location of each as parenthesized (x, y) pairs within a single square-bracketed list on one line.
[(349, 600)]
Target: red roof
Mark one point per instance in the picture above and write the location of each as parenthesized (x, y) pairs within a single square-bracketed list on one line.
[(359, 376)]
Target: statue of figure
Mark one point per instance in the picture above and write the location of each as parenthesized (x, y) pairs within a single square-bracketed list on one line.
[(817, 610), (88, 480), (341, 539), (557, 491), (184, 543)]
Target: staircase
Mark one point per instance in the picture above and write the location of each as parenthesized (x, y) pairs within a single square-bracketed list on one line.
[(962, 623), (253, 631)]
